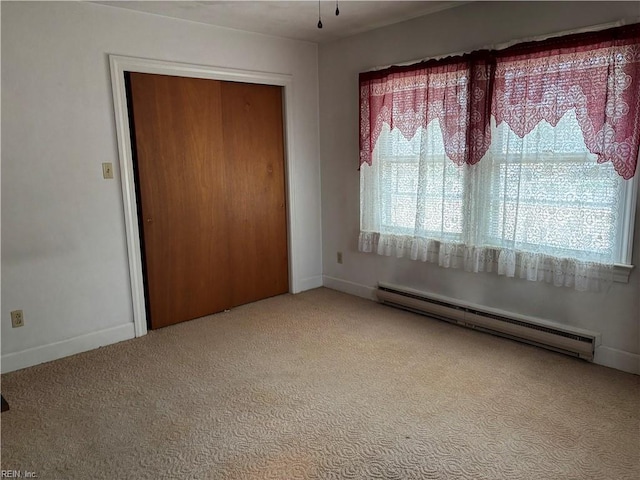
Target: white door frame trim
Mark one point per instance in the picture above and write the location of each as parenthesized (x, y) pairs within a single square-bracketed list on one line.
[(121, 64)]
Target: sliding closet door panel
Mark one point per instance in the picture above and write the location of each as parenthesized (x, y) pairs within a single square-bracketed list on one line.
[(254, 156), (181, 182)]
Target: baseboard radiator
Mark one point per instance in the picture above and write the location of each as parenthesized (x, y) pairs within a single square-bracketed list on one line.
[(572, 341)]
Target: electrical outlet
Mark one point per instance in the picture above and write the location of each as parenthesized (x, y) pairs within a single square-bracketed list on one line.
[(17, 318), (339, 257)]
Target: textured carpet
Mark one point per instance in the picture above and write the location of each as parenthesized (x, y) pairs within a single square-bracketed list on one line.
[(321, 385)]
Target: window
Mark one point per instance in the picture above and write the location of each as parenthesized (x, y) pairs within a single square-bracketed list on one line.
[(421, 193), (522, 161), (546, 192)]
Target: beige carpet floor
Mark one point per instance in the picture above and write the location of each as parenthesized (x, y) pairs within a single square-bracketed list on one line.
[(321, 385)]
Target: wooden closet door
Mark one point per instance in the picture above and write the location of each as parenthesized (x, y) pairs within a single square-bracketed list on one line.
[(181, 180), (254, 156)]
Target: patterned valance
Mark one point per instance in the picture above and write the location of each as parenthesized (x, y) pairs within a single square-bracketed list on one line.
[(597, 74)]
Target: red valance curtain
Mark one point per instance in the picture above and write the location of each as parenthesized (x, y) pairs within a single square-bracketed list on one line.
[(456, 91), (597, 74)]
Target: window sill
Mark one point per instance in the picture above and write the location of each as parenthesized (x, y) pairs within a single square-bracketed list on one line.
[(621, 272)]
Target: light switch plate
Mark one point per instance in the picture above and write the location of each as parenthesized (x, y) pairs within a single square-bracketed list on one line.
[(107, 170)]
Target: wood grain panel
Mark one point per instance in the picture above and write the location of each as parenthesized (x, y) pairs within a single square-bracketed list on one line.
[(181, 180), (254, 156)]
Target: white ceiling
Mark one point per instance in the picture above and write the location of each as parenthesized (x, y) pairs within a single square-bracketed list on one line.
[(291, 19)]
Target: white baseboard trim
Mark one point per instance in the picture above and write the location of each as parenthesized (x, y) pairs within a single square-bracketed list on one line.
[(308, 283), (351, 288), (53, 351), (618, 359)]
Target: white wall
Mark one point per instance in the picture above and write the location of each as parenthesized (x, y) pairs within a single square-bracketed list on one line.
[(64, 258), (615, 313)]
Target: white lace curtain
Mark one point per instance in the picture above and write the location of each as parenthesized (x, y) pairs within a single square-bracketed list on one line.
[(536, 194), (521, 212)]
